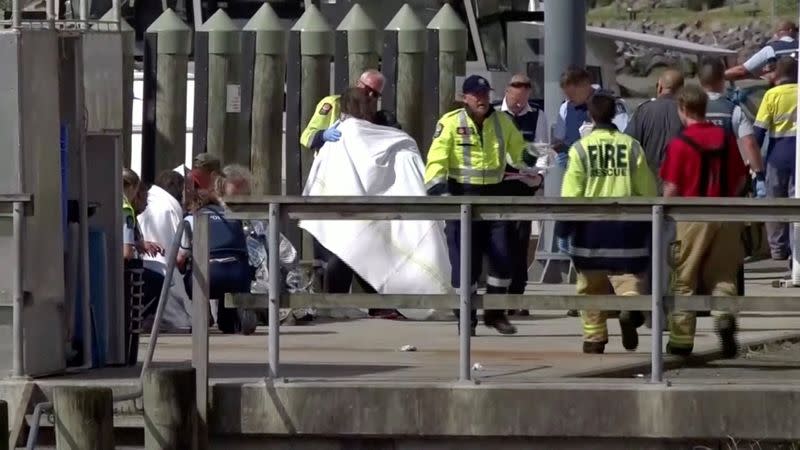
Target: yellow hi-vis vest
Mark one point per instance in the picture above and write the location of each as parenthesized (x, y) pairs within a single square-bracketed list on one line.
[(327, 112), (461, 154), (607, 163)]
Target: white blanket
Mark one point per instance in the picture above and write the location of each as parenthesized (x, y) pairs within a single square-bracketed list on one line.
[(158, 223), (403, 257)]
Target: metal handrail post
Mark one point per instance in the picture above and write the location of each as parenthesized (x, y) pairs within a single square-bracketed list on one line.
[(465, 293), (656, 355), (163, 298), (273, 246), (18, 212), (200, 301)]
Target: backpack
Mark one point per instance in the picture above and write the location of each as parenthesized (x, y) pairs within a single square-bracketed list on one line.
[(708, 156)]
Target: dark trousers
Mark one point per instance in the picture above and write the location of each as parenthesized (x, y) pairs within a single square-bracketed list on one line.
[(780, 184), (519, 238), (223, 278), (491, 239), (339, 277), (142, 291)]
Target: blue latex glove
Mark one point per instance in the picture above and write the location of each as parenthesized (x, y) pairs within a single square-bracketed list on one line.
[(562, 158), (761, 189), (332, 134)]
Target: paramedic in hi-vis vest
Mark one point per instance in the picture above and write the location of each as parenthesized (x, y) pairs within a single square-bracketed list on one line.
[(468, 156), (322, 126), (610, 257)]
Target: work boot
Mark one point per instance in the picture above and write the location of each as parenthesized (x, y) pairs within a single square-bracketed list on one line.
[(678, 351), (498, 321), (726, 329), (594, 348), (629, 321), (573, 313)]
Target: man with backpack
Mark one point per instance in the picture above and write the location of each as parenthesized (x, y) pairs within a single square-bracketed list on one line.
[(703, 161)]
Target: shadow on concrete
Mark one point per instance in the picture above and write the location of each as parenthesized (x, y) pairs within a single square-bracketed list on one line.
[(243, 370)]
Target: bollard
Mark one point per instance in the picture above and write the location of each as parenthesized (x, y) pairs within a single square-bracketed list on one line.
[(169, 409), (219, 39), (167, 46), (84, 418), (404, 68), (264, 71), (309, 78), (128, 44), (356, 39), (447, 45)]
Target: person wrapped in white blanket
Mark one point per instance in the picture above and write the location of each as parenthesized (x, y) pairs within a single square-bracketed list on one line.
[(387, 257)]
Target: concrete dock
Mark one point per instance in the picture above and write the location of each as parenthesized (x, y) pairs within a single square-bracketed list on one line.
[(346, 382)]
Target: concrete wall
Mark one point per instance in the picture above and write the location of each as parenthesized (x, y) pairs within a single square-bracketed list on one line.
[(588, 409)]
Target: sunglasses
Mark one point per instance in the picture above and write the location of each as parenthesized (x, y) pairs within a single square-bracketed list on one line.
[(372, 92), (520, 85)]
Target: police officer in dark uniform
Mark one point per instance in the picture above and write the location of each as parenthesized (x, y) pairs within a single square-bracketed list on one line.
[(532, 123), (229, 264)]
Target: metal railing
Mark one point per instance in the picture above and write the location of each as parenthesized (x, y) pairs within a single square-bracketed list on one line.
[(172, 255), (15, 207), (467, 210)]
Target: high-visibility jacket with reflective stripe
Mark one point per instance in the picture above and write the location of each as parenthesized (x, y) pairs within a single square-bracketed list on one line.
[(607, 163), (777, 118), (327, 112), (464, 153)]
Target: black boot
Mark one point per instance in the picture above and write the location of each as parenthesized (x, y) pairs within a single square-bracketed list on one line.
[(629, 321), (497, 319), (726, 329), (679, 351), (473, 321), (594, 348)]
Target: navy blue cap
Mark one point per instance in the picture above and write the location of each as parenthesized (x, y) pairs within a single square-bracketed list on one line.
[(475, 84)]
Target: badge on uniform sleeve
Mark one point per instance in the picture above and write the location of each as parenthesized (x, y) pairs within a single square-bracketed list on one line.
[(438, 132), (326, 108)]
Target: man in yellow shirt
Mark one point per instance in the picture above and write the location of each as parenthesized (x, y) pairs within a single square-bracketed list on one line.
[(322, 126), (471, 147), (777, 121), (611, 257)]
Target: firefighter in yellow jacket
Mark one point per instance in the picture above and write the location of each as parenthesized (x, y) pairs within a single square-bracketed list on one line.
[(322, 126), (611, 257), (471, 147)]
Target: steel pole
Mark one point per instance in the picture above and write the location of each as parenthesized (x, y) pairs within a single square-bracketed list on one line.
[(200, 300), (657, 289), (19, 363), (796, 226), (564, 45), (273, 245), (465, 293), (16, 12)]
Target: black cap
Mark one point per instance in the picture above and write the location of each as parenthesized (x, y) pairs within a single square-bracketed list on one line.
[(475, 84)]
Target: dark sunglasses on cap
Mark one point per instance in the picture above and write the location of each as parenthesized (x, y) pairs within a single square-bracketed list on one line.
[(520, 85), (372, 92)]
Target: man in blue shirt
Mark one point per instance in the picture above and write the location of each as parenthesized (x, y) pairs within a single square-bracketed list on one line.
[(573, 116)]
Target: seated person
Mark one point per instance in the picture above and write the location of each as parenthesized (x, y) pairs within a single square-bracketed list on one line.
[(140, 304), (229, 268)]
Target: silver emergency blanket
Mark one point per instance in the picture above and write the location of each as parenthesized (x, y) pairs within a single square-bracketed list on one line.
[(395, 257)]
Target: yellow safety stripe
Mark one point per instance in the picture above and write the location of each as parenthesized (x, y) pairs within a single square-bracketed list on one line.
[(466, 141), (461, 174)]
